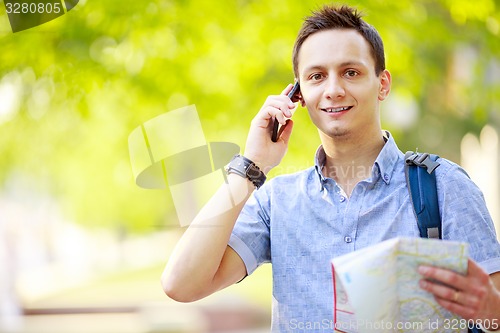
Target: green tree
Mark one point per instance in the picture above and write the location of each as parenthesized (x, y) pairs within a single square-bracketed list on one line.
[(73, 89)]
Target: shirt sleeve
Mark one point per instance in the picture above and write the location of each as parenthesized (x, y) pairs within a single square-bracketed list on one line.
[(251, 234), (465, 216)]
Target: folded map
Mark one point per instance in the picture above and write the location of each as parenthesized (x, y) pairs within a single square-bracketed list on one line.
[(376, 289)]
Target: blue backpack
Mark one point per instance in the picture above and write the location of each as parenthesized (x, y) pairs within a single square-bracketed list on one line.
[(421, 183)]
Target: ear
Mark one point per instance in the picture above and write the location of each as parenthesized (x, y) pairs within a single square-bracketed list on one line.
[(385, 85), (298, 96), (301, 99)]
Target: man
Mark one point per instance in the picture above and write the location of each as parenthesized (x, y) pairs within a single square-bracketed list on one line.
[(354, 196)]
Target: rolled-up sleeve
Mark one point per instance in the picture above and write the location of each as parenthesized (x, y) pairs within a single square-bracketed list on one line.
[(466, 218), (251, 234)]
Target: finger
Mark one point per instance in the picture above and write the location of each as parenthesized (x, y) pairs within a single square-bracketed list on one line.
[(268, 117), (287, 89), (443, 292), (448, 277), (474, 270), (280, 109), (286, 131), (451, 299), (292, 110), (295, 98), (282, 103), (267, 114), (463, 310), (280, 117)]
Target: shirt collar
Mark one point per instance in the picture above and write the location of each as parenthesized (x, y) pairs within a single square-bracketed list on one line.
[(319, 163), (387, 159), (384, 165)]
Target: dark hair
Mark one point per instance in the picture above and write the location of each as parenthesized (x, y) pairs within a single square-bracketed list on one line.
[(340, 17)]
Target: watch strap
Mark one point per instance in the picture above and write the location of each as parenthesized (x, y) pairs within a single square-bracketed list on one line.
[(245, 168)]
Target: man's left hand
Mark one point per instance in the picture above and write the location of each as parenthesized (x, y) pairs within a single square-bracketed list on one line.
[(475, 296)]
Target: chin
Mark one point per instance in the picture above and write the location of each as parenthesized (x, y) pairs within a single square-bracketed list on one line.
[(338, 133), (341, 135)]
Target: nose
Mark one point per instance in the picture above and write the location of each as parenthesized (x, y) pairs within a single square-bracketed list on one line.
[(334, 88)]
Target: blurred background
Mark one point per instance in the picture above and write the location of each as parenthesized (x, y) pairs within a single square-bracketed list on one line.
[(82, 247)]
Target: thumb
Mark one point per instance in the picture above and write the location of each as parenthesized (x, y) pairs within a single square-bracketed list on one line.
[(287, 131)]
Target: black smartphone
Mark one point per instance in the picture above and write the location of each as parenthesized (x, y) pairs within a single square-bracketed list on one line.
[(276, 125)]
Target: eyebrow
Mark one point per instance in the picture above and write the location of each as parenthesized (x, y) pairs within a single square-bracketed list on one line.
[(352, 63), (344, 64)]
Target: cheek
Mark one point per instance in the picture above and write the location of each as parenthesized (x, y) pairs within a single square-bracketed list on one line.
[(309, 96), (365, 94)]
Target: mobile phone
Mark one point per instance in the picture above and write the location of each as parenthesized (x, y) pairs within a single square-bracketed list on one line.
[(276, 125)]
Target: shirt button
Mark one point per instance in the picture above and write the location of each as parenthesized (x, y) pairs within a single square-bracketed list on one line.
[(347, 239), (386, 177), (342, 198)]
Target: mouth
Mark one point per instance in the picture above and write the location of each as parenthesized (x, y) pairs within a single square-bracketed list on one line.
[(337, 109)]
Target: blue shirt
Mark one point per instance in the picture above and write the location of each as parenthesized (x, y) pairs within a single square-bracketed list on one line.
[(299, 222)]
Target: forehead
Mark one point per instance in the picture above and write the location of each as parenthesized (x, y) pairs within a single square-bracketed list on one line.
[(333, 47)]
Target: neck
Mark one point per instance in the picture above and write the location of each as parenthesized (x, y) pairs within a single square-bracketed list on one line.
[(350, 160)]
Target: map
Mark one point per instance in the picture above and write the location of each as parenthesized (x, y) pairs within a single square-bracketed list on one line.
[(376, 289)]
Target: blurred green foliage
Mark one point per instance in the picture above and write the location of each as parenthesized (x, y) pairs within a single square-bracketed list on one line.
[(73, 89)]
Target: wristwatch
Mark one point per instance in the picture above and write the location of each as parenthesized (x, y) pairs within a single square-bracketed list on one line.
[(245, 168)]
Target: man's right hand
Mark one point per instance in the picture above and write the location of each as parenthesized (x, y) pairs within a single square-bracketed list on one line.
[(190, 274), (259, 146)]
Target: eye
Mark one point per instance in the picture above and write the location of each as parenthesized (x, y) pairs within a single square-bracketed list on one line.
[(351, 73), (316, 77)]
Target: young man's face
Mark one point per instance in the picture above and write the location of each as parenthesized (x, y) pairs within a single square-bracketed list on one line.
[(338, 83)]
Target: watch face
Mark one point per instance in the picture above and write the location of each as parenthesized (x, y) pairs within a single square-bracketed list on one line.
[(253, 171)]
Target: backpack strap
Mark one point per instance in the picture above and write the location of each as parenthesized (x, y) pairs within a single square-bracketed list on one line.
[(421, 183)]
